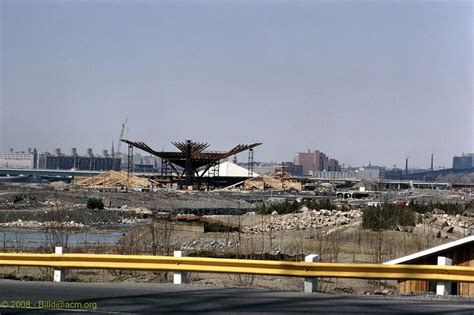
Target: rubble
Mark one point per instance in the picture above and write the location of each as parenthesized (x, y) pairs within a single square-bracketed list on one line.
[(438, 211), (468, 213), (268, 182), (306, 219), (448, 229), (407, 228), (450, 223), (36, 224), (206, 244), (84, 217)]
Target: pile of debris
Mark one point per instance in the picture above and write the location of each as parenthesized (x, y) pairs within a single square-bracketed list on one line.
[(113, 179), (35, 224), (207, 244), (306, 219), (463, 224), (267, 182), (59, 186)]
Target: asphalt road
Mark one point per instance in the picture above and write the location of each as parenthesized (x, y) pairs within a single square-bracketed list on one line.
[(122, 298)]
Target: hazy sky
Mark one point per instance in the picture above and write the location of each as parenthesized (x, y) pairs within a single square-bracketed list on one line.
[(371, 81)]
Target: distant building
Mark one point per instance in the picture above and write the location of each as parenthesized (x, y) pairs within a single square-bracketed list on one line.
[(368, 173), (463, 161), (334, 175), (395, 173), (307, 161), (262, 168), (334, 165), (315, 161), (274, 168), (18, 160), (144, 168), (90, 162), (149, 164), (293, 169)]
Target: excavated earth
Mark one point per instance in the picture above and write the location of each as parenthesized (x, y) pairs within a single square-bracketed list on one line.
[(41, 203), (336, 235)]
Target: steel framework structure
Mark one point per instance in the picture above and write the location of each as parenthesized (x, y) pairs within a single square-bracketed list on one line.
[(191, 157)]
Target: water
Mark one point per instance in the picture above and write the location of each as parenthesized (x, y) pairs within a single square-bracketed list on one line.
[(21, 238)]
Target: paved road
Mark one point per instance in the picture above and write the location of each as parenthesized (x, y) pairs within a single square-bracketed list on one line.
[(123, 298)]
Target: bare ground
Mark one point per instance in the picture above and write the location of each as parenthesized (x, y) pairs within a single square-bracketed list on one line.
[(349, 243)]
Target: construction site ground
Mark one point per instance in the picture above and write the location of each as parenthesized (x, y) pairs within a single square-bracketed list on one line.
[(142, 218)]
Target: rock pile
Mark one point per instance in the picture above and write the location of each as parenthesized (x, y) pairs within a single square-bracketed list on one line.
[(35, 224), (306, 219), (206, 244), (86, 217), (449, 223)]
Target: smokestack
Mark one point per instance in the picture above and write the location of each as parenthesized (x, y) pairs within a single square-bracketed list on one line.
[(89, 152), (406, 166), (432, 161), (74, 151), (57, 152)]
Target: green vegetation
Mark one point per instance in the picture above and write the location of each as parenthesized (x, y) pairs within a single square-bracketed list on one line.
[(95, 203), (449, 208), (281, 208), (319, 204), (387, 217), (21, 197)]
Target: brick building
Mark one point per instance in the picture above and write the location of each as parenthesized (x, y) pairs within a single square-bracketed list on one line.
[(312, 162)]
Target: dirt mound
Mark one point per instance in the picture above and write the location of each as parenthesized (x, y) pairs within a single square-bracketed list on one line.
[(113, 179)]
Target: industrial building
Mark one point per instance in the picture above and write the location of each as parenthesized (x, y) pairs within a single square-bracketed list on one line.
[(334, 175), (463, 161), (273, 168), (88, 162), (368, 173), (315, 161), (19, 160)]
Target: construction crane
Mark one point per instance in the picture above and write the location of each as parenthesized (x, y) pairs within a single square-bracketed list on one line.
[(119, 144)]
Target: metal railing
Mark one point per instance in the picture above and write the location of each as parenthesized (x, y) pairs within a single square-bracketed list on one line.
[(240, 266)]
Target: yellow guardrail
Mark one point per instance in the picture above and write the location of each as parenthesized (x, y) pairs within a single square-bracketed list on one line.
[(241, 266)]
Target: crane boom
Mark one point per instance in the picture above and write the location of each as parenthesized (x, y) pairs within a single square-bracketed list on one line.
[(119, 144)]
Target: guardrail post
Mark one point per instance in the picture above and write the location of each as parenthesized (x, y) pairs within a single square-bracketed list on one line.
[(59, 274), (311, 284), (443, 288), (179, 277)]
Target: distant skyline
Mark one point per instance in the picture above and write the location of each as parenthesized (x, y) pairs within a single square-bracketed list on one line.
[(362, 81)]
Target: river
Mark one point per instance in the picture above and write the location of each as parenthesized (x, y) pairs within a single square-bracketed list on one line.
[(21, 238)]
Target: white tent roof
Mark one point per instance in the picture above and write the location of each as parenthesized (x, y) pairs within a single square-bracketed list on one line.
[(229, 169)]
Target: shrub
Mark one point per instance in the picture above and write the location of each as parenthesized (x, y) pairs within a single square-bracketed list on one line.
[(450, 208), (387, 217), (319, 204), (281, 208), (21, 197), (95, 203)]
